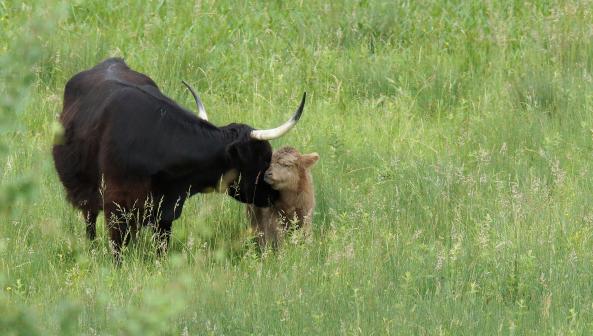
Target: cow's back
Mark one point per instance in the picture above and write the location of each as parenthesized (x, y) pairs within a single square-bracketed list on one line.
[(89, 82), (86, 96)]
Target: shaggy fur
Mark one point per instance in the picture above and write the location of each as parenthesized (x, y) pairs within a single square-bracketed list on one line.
[(290, 175)]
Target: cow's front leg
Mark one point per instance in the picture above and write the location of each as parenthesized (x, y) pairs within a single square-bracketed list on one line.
[(170, 206)]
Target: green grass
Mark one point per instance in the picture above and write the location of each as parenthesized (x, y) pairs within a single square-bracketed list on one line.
[(454, 187)]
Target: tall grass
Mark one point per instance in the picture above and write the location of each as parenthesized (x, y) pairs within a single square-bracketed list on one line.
[(454, 186)]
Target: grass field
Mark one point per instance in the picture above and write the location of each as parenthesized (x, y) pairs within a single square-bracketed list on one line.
[(454, 187)]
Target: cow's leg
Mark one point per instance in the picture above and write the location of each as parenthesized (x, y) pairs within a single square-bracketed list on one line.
[(90, 218), (118, 228), (82, 186), (90, 211), (123, 203), (169, 207)]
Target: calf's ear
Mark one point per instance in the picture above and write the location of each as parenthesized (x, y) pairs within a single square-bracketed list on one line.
[(308, 160)]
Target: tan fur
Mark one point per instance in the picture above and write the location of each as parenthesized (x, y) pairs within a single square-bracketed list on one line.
[(290, 174)]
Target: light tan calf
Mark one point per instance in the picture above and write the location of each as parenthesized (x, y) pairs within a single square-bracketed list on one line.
[(290, 174)]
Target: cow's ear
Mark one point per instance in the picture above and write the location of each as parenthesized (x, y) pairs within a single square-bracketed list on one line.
[(309, 160)]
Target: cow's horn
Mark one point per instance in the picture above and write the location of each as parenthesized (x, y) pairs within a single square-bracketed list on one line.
[(201, 110), (279, 131)]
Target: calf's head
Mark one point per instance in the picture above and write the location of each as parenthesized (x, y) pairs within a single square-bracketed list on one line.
[(288, 168)]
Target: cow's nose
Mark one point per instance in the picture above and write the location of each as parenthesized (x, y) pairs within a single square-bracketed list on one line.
[(268, 174)]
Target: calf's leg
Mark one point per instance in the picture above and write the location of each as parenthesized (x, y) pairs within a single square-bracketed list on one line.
[(264, 223)]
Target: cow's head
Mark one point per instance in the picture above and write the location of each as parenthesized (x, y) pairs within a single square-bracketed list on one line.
[(251, 158), (250, 154)]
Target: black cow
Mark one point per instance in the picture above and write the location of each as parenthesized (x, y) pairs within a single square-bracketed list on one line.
[(128, 148)]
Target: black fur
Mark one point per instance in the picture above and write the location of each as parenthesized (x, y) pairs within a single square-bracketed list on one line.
[(120, 129)]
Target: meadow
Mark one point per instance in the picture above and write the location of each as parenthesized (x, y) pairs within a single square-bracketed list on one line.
[(454, 188)]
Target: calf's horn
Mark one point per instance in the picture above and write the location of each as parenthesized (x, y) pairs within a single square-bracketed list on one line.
[(201, 110), (279, 131)]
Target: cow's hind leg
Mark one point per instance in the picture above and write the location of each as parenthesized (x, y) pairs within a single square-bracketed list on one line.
[(90, 217), (123, 203), (90, 211), (81, 183), (117, 227)]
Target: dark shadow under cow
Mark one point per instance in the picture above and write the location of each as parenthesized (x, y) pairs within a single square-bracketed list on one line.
[(128, 149)]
